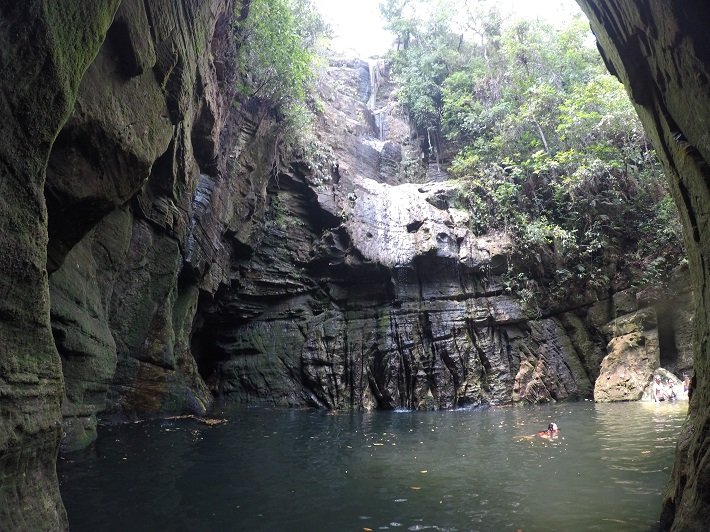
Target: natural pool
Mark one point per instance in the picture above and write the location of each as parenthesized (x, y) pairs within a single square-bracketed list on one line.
[(305, 470)]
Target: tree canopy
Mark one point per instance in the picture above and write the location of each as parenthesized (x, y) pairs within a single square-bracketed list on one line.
[(279, 55), (544, 142)]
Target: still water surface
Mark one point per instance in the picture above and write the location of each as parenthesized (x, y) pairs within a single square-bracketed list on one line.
[(294, 470)]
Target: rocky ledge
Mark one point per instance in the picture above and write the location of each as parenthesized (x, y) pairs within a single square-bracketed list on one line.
[(364, 291), (159, 248)]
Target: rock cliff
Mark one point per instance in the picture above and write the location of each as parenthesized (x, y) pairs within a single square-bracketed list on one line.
[(114, 112), (128, 178), (661, 52), (158, 247), (46, 50), (363, 290)]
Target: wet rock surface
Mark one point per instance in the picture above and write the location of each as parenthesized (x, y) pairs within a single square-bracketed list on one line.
[(45, 51), (659, 51), (159, 249), (125, 203)]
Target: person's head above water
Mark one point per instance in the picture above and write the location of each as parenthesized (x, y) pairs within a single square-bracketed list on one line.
[(551, 432)]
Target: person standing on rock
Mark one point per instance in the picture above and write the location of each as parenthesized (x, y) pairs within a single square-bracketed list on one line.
[(658, 394)]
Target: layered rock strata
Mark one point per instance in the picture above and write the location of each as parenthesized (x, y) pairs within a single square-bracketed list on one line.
[(158, 248), (128, 179), (114, 112), (46, 48), (366, 291)]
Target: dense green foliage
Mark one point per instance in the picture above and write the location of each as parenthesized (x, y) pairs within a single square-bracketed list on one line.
[(544, 141), (278, 58)]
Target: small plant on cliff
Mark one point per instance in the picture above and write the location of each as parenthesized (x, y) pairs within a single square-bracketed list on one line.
[(278, 59)]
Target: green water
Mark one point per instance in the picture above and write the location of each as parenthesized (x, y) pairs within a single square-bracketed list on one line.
[(304, 470)]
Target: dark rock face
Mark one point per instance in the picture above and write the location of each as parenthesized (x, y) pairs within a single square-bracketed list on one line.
[(360, 291), (46, 47), (172, 253), (123, 108), (661, 52), (130, 188), (370, 335)]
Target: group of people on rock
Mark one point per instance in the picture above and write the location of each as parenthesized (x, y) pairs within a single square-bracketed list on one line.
[(667, 391)]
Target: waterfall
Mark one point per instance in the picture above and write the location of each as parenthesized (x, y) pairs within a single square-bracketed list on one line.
[(375, 66)]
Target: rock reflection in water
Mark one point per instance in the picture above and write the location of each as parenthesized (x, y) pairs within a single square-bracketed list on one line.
[(302, 470), (29, 491)]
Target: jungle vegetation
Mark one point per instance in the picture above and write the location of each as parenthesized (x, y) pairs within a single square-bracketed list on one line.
[(280, 51), (544, 142)]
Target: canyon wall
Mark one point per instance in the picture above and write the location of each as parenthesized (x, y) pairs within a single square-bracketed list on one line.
[(661, 52), (160, 248), (46, 48), (113, 113), (363, 290), (129, 179)]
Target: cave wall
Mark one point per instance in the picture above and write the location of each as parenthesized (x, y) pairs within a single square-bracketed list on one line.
[(157, 248), (152, 121), (118, 125), (156, 189), (46, 48), (661, 52)]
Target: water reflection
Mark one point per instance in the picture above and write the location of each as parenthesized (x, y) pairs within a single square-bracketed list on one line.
[(301, 470), (29, 491)]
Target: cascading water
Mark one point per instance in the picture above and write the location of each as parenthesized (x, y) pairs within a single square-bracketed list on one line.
[(375, 78), (374, 82)]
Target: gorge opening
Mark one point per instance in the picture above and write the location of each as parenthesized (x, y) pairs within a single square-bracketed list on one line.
[(223, 247)]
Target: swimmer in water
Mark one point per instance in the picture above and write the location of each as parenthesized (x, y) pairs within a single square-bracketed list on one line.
[(551, 432)]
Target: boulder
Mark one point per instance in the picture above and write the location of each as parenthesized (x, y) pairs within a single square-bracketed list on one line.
[(627, 369)]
